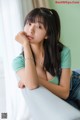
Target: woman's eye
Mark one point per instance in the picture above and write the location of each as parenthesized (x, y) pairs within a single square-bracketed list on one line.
[(29, 23), (40, 27)]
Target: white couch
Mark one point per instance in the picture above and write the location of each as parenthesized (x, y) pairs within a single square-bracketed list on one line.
[(44, 105)]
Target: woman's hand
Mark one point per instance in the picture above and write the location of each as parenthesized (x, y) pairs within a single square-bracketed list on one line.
[(21, 37), (21, 84), (42, 81)]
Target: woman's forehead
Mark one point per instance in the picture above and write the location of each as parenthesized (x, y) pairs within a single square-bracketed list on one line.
[(37, 19)]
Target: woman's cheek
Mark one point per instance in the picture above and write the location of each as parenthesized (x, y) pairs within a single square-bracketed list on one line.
[(25, 29)]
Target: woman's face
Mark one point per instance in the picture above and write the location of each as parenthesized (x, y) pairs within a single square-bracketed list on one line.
[(35, 31)]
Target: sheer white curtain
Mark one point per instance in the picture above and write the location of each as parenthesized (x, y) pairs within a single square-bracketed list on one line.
[(41, 3), (12, 14)]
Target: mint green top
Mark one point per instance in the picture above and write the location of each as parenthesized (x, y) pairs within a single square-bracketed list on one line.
[(19, 63)]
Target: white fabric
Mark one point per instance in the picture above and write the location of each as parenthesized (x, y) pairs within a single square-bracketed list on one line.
[(46, 106), (77, 70), (11, 22)]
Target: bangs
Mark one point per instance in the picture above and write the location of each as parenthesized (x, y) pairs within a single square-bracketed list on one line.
[(37, 17)]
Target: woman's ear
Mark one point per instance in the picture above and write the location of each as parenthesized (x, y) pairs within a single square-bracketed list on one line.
[(46, 37)]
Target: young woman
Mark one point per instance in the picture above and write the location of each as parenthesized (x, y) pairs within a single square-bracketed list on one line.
[(45, 60)]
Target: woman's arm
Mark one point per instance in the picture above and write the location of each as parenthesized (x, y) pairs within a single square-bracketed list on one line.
[(28, 75), (61, 90)]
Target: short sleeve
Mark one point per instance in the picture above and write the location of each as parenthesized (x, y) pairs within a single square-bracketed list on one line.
[(66, 58), (18, 63)]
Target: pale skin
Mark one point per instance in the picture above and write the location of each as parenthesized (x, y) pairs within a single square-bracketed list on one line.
[(33, 76)]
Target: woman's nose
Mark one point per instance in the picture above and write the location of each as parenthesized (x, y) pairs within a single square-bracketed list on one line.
[(32, 29)]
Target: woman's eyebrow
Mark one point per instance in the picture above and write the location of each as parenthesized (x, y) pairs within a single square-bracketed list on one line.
[(40, 22)]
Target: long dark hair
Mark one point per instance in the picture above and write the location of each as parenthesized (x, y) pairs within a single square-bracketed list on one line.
[(52, 46)]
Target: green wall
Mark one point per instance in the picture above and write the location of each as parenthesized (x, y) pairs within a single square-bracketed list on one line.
[(70, 28)]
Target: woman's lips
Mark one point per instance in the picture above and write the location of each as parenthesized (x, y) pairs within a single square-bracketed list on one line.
[(30, 38)]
